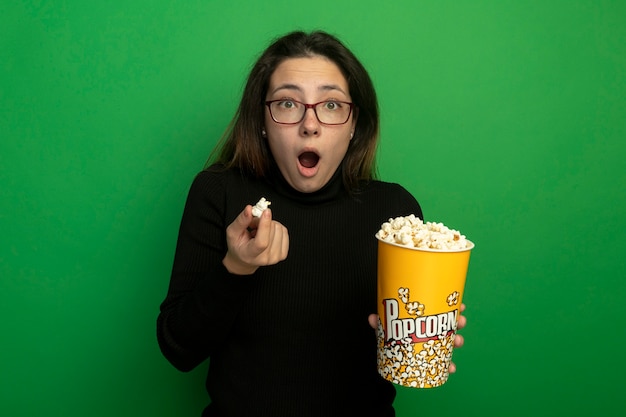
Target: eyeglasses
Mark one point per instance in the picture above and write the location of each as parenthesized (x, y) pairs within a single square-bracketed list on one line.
[(291, 112)]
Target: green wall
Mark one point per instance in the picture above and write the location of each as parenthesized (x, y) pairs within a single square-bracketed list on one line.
[(506, 119)]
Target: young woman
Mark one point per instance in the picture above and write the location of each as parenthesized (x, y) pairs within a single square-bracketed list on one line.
[(283, 305)]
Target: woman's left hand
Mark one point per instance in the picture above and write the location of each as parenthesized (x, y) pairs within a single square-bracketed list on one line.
[(458, 339)]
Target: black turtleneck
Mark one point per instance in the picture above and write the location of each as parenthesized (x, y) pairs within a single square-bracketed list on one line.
[(293, 338)]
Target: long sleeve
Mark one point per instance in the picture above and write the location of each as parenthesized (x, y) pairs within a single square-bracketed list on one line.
[(198, 309)]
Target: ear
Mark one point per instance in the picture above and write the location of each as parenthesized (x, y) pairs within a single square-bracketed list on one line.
[(355, 116)]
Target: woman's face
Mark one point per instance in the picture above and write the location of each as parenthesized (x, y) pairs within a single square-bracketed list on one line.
[(308, 153)]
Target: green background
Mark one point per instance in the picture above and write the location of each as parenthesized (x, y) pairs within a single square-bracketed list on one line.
[(506, 119)]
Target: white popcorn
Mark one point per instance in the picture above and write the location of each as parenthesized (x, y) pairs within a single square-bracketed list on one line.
[(412, 232), (453, 298), (414, 308), (260, 206), (401, 364), (403, 293)]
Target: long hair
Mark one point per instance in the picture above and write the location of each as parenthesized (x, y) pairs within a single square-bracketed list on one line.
[(242, 144)]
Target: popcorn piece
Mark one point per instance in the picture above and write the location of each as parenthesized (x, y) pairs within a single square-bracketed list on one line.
[(414, 308), (412, 232), (453, 298), (403, 293), (260, 206)]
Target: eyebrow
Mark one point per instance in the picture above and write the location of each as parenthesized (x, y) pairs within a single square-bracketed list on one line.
[(293, 87)]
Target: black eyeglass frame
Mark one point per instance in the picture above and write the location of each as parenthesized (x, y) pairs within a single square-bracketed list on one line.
[(313, 106)]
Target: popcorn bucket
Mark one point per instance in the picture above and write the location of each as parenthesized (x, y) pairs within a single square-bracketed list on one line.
[(419, 296)]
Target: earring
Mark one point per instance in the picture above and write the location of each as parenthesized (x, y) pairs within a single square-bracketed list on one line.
[(351, 134), (263, 133)]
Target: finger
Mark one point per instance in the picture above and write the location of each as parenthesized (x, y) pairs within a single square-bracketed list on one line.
[(241, 223), (452, 368), (284, 244), (458, 341), (373, 320), (244, 219), (280, 242), (264, 232), (462, 321), (462, 308), (254, 223), (274, 251)]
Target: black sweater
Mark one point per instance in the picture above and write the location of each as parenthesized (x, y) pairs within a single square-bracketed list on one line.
[(292, 339)]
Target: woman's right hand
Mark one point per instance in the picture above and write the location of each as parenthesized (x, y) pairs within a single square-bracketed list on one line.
[(254, 242)]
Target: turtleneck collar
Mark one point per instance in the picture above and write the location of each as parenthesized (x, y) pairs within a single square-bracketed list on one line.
[(333, 190)]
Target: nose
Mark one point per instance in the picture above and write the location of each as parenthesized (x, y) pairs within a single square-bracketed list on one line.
[(310, 125)]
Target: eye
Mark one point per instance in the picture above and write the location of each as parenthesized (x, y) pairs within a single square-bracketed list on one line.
[(287, 104), (331, 105)]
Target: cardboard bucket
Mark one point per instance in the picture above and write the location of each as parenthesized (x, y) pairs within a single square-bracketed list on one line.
[(419, 297)]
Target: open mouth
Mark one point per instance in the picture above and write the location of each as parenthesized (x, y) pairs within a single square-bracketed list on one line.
[(308, 159)]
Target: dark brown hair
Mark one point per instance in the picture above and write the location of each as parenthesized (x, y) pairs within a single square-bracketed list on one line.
[(243, 146)]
